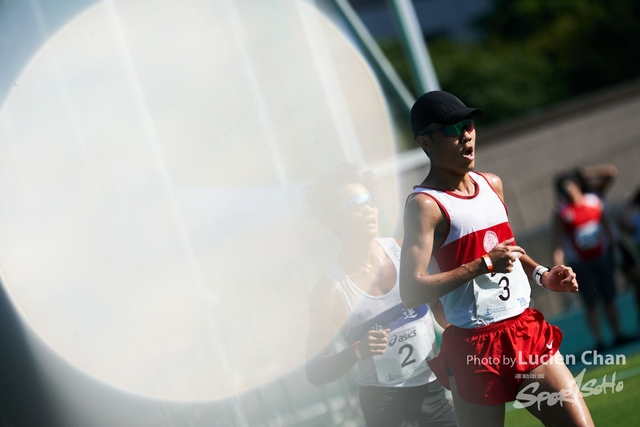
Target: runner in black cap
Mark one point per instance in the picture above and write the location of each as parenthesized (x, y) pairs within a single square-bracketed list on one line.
[(497, 348)]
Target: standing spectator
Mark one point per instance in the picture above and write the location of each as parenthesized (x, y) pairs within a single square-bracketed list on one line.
[(583, 239), (630, 223), (597, 179), (630, 217)]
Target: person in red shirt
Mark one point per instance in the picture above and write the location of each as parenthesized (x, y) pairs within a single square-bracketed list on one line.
[(584, 240)]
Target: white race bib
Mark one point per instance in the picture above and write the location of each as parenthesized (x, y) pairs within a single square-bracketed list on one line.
[(587, 236), (498, 297), (406, 353)]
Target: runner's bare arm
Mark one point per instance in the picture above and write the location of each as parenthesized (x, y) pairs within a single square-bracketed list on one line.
[(496, 183), (558, 252), (422, 219), (560, 278), (323, 367), (599, 177), (325, 314), (438, 312)]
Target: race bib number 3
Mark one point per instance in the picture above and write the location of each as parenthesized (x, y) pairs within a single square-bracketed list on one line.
[(406, 353), (500, 295)]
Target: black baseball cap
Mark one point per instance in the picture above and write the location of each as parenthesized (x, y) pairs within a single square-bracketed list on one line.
[(439, 106)]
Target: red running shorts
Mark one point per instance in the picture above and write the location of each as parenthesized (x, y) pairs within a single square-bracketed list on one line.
[(488, 362)]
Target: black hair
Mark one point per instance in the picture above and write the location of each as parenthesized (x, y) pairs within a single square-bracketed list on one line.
[(323, 196), (562, 179), (582, 182), (636, 198)]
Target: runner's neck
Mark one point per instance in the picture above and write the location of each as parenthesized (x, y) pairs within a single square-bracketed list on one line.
[(367, 268), (461, 184)]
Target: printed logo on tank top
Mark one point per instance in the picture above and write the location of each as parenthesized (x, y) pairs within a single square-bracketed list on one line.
[(393, 250), (490, 240), (363, 315), (409, 313)]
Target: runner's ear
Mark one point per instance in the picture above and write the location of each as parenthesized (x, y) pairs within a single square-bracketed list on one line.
[(425, 142)]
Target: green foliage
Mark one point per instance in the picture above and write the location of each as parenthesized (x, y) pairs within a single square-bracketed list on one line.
[(394, 53), (502, 78), (535, 52), (592, 43)]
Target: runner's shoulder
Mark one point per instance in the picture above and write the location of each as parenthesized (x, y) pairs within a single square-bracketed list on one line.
[(324, 289), (493, 179), (325, 302), (324, 295), (424, 207)]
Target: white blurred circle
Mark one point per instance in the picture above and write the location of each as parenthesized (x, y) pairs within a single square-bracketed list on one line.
[(151, 159)]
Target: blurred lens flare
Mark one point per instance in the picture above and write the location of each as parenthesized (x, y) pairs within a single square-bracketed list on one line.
[(152, 155)]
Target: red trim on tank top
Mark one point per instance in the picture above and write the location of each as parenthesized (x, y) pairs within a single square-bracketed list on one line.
[(494, 190), (446, 214), (451, 193)]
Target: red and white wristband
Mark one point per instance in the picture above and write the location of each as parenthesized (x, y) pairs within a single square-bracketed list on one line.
[(537, 275), (356, 348)]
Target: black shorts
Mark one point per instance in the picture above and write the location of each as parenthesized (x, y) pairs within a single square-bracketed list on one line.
[(595, 278), (628, 261), (420, 406)]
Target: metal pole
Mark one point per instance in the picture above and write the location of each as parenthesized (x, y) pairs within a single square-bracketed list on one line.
[(416, 48), (376, 56)]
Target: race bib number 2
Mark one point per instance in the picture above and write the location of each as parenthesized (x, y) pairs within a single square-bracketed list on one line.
[(406, 353)]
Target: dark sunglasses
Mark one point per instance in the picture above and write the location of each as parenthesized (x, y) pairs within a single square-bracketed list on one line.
[(356, 203), (455, 129)]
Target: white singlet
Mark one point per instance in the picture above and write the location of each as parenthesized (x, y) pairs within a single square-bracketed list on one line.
[(411, 339), (476, 224)]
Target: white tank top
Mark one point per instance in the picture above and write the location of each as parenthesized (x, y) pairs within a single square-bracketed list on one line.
[(411, 339), (476, 224)]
